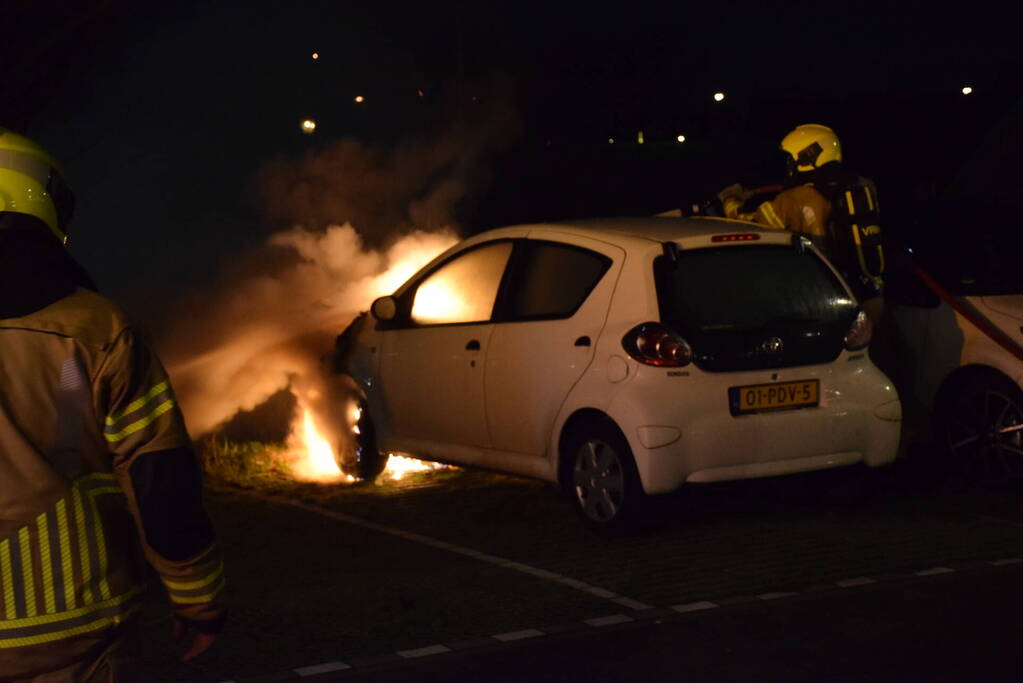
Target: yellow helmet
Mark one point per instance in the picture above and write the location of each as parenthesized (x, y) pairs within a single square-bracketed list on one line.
[(31, 183), (811, 146)]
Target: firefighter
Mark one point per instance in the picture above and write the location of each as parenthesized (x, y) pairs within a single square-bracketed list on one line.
[(97, 471), (829, 204)]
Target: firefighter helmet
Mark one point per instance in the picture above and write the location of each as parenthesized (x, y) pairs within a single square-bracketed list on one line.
[(31, 183), (810, 146)]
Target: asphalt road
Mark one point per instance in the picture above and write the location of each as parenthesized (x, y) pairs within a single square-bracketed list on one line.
[(464, 569)]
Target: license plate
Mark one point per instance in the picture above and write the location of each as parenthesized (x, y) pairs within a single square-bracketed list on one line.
[(756, 398)]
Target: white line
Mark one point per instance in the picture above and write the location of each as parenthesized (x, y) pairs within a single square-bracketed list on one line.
[(694, 606), (321, 668), (609, 620), (934, 570), (858, 581), (776, 595), (423, 651), (632, 604), (518, 635), (595, 591)]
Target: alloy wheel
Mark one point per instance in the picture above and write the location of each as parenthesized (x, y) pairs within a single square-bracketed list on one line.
[(599, 480), (984, 434)]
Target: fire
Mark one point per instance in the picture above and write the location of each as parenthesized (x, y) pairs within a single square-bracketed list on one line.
[(312, 456)]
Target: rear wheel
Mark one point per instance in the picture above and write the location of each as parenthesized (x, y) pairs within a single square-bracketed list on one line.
[(603, 480), (358, 455), (980, 425)]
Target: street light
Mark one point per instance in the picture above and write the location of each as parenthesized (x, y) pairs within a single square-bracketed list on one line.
[(718, 96), (316, 55), (967, 89), (308, 126), (639, 137), (359, 99), (681, 138)]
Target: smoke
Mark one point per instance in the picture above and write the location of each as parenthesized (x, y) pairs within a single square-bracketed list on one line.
[(360, 220)]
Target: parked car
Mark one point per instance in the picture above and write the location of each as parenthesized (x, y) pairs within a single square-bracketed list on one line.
[(956, 300), (622, 358)]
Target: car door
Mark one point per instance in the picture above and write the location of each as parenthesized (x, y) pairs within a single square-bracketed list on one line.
[(431, 366), (551, 313)]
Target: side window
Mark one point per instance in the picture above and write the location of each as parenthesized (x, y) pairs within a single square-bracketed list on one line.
[(462, 290), (552, 280)]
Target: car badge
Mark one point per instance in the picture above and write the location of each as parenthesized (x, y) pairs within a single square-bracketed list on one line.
[(772, 345)]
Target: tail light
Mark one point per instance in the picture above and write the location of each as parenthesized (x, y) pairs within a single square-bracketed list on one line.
[(655, 344), (859, 334)]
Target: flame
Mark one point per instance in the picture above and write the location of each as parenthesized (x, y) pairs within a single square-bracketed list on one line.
[(312, 456)]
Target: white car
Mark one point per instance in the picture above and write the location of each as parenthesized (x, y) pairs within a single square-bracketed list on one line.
[(957, 307), (622, 358)]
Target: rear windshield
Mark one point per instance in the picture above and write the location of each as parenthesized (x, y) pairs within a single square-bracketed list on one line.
[(748, 288)]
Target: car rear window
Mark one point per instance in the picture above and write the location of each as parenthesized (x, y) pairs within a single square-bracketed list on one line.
[(740, 291)]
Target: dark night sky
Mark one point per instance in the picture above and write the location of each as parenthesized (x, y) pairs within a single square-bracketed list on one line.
[(162, 112)]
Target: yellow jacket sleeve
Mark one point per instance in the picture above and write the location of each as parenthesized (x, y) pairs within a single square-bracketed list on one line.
[(156, 468)]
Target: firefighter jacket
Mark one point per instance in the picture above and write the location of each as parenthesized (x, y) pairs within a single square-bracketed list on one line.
[(837, 210), (800, 209), (97, 472)]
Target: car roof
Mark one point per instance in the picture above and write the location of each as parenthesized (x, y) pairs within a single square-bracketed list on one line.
[(653, 228)]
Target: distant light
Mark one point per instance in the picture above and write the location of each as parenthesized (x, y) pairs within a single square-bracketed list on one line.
[(967, 89), (421, 93), (360, 99), (610, 141), (718, 96), (308, 126), (316, 55), (639, 137), (681, 138)]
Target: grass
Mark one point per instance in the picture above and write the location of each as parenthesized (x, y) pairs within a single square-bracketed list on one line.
[(250, 464)]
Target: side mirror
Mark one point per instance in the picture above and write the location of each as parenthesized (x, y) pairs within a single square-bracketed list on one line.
[(385, 308)]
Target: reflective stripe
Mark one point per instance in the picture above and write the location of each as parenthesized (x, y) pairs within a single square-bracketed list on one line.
[(199, 591), (190, 585), (36, 630), (849, 201), (64, 612), (198, 596), (29, 592), (66, 559), (772, 217), (140, 424), (870, 197), (6, 563), (136, 404), (43, 534), (84, 554)]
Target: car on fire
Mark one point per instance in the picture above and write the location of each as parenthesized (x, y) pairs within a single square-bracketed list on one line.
[(621, 358)]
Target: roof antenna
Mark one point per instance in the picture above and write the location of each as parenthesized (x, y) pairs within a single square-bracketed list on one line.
[(671, 252)]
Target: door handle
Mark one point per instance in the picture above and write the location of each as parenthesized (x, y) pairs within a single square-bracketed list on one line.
[(473, 345), (582, 341)]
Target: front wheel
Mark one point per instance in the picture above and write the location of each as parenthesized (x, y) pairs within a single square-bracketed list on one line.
[(980, 425), (604, 482), (358, 455)]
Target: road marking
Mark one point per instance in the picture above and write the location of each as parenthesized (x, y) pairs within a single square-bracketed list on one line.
[(608, 620), (934, 570), (519, 635), (858, 581), (423, 651), (776, 595), (321, 668), (589, 589), (694, 606)]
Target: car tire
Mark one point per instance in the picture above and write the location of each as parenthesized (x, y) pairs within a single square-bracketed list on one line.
[(602, 480), (979, 425), (358, 455)]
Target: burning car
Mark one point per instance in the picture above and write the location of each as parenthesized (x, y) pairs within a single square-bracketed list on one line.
[(620, 358)]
